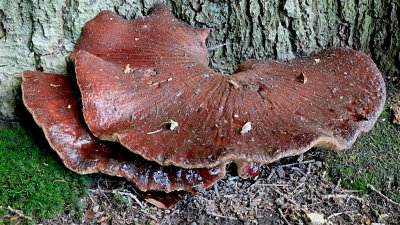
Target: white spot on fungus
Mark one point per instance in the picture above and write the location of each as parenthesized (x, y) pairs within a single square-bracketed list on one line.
[(127, 69), (173, 124), (246, 128)]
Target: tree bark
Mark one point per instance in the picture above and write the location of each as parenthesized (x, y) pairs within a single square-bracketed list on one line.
[(40, 34)]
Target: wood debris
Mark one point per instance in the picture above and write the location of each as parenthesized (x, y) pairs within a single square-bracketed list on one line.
[(303, 78), (234, 84), (173, 124), (127, 69), (246, 128)]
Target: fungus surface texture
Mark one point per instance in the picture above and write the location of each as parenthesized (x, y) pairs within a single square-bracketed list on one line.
[(146, 84), (54, 105)]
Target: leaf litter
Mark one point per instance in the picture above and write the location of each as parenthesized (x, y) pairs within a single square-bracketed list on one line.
[(302, 191)]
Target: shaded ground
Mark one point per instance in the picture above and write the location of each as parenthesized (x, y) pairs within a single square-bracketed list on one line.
[(374, 159), (284, 193)]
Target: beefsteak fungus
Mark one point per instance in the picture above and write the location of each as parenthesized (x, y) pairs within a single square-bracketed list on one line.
[(146, 84)]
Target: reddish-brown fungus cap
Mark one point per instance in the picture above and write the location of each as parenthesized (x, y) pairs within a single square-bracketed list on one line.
[(198, 118), (53, 104), (177, 111), (158, 39)]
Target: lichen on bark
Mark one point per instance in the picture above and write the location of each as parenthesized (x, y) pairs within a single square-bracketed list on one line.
[(40, 35)]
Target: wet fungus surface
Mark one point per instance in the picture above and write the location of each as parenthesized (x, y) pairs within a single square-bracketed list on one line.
[(267, 110), (146, 84), (52, 101)]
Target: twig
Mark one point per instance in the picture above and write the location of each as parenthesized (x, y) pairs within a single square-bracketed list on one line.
[(101, 190), (372, 188), (144, 212), (308, 170), (216, 190), (273, 185), (338, 214), (221, 216), (131, 196), (298, 170), (271, 174), (283, 216), (350, 191), (287, 199), (341, 196), (299, 163), (19, 213), (92, 199), (108, 200)]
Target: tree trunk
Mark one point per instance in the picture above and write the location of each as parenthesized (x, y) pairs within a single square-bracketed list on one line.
[(40, 34)]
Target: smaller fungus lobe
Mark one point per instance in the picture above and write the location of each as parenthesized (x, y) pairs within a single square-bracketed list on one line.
[(83, 153)]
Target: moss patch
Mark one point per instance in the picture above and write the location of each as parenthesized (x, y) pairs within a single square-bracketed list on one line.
[(374, 159), (33, 179)]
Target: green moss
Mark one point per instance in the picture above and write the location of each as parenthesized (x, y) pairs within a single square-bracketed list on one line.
[(33, 179), (374, 159)]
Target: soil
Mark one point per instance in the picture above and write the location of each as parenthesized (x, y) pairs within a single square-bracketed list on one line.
[(284, 193)]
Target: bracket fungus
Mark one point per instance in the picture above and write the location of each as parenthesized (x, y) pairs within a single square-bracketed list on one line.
[(146, 84), (267, 110)]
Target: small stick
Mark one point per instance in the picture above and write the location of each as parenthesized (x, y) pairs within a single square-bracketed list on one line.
[(338, 214), (283, 216), (372, 188), (284, 196), (153, 132), (342, 196), (271, 174), (19, 213), (221, 216), (131, 196), (299, 163), (273, 185), (234, 84), (144, 212), (92, 199), (216, 190)]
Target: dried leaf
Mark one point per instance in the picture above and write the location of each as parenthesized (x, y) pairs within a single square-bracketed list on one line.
[(89, 214), (102, 219)]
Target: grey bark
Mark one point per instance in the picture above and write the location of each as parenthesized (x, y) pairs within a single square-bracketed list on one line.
[(40, 34)]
